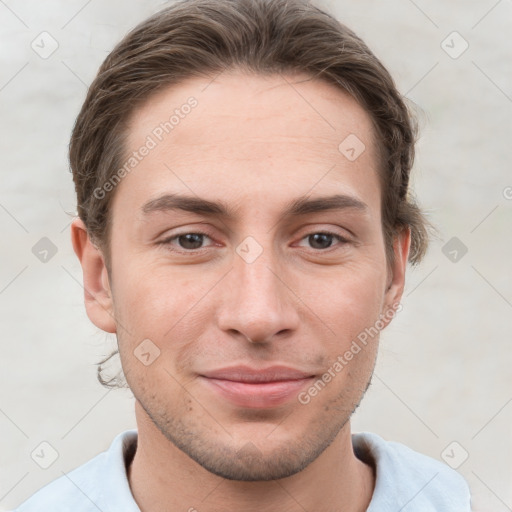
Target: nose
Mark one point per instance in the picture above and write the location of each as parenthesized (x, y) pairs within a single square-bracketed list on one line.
[(258, 302)]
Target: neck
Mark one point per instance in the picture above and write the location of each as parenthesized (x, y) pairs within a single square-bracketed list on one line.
[(162, 477)]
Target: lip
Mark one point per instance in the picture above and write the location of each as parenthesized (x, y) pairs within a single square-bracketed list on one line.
[(262, 388)]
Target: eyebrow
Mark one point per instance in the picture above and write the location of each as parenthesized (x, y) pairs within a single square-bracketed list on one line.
[(297, 207)]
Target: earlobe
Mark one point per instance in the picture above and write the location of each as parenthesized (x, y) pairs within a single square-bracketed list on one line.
[(97, 291)]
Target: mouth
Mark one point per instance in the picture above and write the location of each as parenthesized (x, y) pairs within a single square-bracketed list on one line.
[(257, 388)]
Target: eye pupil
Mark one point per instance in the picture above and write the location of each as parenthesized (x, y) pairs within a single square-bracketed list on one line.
[(191, 240), (317, 240)]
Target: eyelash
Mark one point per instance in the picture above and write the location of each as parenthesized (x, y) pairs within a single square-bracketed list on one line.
[(167, 242)]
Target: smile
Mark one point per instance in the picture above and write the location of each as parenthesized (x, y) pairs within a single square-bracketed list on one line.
[(252, 388)]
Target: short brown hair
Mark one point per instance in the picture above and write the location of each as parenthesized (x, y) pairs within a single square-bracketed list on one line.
[(202, 38)]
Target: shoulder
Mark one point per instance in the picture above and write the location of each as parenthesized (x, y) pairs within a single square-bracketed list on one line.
[(90, 486), (408, 479)]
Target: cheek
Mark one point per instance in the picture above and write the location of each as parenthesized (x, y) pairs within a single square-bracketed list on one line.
[(347, 304), (155, 316), (165, 307)]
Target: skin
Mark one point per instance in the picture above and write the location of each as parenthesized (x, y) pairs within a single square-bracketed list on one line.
[(256, 143)]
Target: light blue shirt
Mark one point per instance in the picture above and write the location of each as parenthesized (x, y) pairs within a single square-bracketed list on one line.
[(406, 481)]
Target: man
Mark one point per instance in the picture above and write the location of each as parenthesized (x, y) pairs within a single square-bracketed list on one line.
[(242, 169)]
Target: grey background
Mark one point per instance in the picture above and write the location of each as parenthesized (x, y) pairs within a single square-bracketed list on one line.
[(443, 373)]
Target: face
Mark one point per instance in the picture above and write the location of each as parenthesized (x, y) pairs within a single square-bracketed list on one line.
[(230, 306)]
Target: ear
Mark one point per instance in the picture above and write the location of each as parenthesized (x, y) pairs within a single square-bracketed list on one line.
[(97, 292), (396, 275)]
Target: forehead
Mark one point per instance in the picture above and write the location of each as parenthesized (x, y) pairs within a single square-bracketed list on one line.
[(294, 104), (250, 133)]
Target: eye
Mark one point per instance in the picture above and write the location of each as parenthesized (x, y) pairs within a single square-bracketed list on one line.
[(193, 241), (186, 241), (324, 239)]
